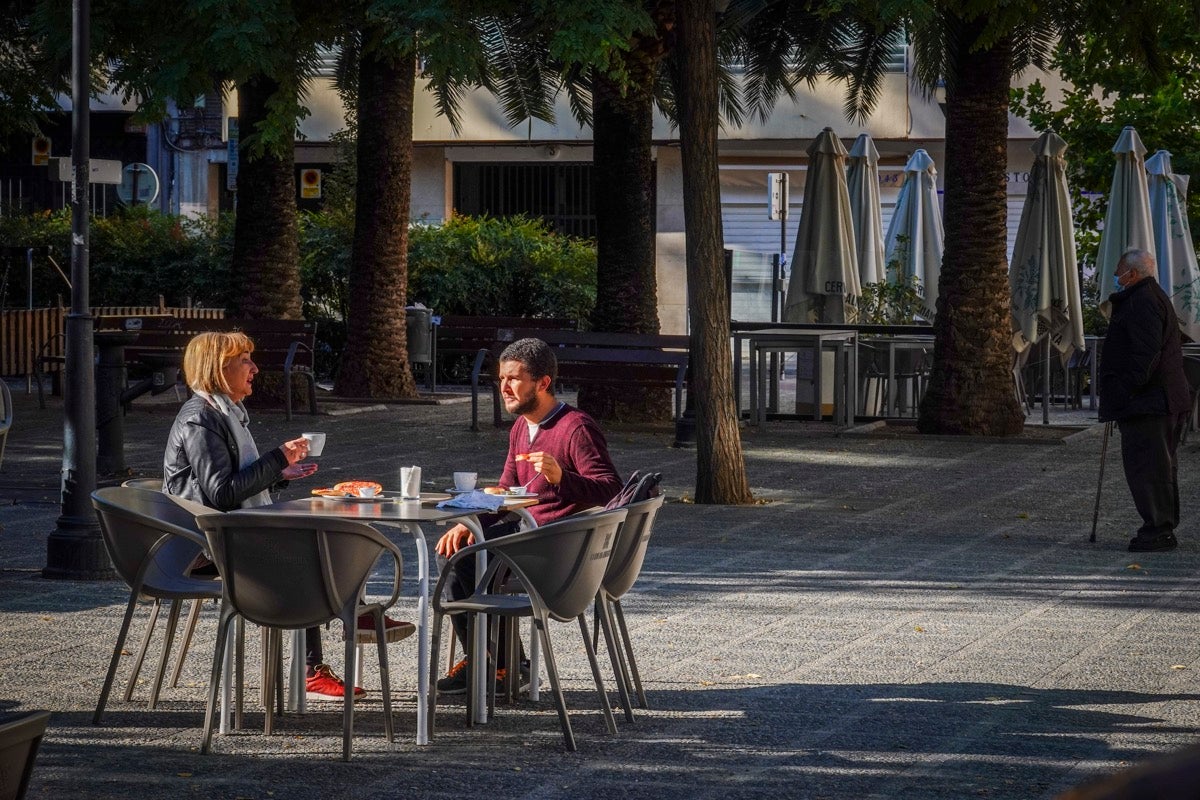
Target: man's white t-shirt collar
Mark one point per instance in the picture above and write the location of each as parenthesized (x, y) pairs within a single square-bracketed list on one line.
[(534, 427)]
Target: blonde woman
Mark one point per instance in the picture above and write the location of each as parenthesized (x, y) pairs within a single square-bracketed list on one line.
[(211, 456)]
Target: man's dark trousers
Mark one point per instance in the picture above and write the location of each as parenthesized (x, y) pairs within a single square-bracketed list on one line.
[(1148, 453)]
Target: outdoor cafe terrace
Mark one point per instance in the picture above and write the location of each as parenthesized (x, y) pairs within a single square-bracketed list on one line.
[(894, 617)]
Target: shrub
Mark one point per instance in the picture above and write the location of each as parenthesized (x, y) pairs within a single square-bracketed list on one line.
[(510, 266)]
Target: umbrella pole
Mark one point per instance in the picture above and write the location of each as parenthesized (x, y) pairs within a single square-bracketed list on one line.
[(1046, 382), (1100, 482)]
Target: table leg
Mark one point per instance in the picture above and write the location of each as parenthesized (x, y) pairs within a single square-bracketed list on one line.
[(890, 408), (227, 681), (478, 665), (297, 701), (754, 396), (852, 383), (816, 378), (737, 378), (535, 648), (422, 633)]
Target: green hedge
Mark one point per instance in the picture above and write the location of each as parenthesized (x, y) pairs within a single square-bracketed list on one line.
[(513, 266)]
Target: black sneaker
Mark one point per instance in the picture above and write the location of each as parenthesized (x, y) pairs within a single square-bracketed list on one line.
[(1154, 543), (455, 681)]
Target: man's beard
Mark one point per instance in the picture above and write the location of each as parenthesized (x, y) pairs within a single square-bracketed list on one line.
[(523, 406)]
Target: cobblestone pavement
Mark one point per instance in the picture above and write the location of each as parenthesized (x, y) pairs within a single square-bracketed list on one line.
[(895, 617)]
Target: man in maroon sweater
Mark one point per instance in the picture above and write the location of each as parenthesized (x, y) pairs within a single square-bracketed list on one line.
[(553, 449)]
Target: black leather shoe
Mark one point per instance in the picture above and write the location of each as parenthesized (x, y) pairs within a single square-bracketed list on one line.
[(1153, 544)]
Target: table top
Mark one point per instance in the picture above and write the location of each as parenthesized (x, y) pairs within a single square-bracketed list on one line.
[(424, 510), (796, 335)]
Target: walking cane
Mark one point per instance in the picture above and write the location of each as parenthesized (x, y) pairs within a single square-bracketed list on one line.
[(1100, 483)]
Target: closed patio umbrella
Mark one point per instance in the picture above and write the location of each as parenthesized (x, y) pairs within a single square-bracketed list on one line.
[(824, 281), (862, 180), (1127, 222), (1177, 268), (1043, 276), (913, 245)]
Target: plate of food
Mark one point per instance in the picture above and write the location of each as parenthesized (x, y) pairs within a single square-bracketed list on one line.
[(513, 491), (349, 491)]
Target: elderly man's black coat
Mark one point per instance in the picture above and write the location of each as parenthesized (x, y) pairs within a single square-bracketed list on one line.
[(1141, 365)]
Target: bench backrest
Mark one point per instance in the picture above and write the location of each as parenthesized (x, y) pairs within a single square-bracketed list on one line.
[(469, 334), (166, 338), (589, 356)]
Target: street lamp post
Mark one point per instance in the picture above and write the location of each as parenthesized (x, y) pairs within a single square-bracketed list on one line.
[(75, 550)]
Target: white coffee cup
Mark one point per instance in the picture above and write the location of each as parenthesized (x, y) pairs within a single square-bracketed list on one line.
[(465, 481), (410, 483), (316, 443), (366, 491)]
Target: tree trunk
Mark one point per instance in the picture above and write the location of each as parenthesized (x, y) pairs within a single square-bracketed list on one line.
[(375, 361), (971, 385), (266, 252), (623, 199), (720, 467)]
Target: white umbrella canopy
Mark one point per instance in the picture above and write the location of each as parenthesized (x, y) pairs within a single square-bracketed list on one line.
[(862, 180), (1177, 269), (1043, 275), (1127, 222), (824, 285), (914, 241)]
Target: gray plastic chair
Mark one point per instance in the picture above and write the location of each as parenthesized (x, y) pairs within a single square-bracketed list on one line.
[(6, 417), (152, 540), (294, 571), (19, 741), (189, 629), (559, 567), (624, 567)]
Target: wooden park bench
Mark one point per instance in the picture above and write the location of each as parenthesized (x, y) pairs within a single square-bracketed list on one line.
[(280, 345), (475, 337), (51, 357), (156, 356), (597, 357)]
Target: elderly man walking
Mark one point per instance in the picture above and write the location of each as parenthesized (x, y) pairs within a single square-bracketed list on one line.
[(1143, 389)]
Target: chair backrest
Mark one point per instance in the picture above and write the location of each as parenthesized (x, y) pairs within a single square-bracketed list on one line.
[(6, 407), (639, 487), (153, 484), (563, 563), (140, 524), (630, 549), (291, 570), (19, 740)]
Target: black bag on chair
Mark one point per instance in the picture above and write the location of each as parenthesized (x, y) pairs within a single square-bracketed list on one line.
[(639, 487)]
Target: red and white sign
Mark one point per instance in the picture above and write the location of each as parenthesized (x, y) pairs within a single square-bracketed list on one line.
[(310, 184), (41, 151)]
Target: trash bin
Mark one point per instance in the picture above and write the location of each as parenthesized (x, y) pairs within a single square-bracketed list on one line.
[(418, 325)]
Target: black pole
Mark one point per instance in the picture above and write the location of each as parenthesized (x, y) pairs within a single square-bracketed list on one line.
[(75, 550)]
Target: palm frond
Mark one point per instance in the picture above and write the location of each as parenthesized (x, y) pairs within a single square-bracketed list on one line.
[(517, 59)]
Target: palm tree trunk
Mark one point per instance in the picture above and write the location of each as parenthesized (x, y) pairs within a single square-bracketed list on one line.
[(375, 361), (971, 385), (623, 198), (720, 467), (266, 251)]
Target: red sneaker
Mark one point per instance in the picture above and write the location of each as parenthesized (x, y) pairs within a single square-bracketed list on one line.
[(365, 623), (393, 629), (325, 685)]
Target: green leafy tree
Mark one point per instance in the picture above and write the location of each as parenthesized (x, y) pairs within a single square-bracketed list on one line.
[(159, 52), (1109, 89)]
